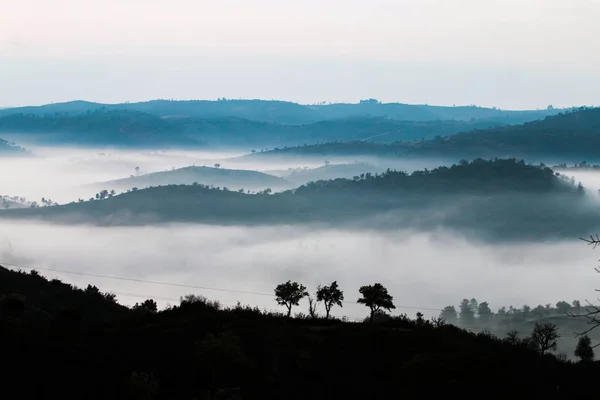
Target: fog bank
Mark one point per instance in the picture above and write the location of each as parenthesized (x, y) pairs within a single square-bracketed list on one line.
[(421, 270)]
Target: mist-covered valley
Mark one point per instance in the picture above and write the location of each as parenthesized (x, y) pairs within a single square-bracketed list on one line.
[(488, 244)]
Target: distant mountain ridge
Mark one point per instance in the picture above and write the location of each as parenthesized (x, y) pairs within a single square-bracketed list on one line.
[(98, 127), (285, 112), (567, 137)]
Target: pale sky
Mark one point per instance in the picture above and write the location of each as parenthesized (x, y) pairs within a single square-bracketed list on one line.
[(506, 53)]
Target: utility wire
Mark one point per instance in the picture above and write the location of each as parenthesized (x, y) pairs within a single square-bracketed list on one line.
[(217, 289)]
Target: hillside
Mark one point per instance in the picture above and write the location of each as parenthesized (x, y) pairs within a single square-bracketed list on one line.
[(99, 127), (569, 137), (241, 132), (197, 349), (217, 177), (8, 149), (302, 176), (292, 113), (502, 199), (423, 112)]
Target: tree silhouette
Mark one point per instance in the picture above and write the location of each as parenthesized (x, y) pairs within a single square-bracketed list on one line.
[(330, 296), (376, 297), (485, 312), (466, 314), (289, 294), (147, 305), (544, 336), (584, 349), (449, 315)]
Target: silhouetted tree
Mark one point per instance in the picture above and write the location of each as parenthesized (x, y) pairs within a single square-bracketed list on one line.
[(512, 337), (544, 336), (563, 307), (376, 297), (485, 313), (449, 315), (466, 314), (147, 305), (584, 349), (289, 294), (330, 296)]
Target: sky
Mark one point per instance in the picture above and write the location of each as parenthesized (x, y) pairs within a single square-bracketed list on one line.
[(513, 54)]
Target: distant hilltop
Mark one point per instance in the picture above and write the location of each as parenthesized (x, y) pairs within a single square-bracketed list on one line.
[(293, 113)]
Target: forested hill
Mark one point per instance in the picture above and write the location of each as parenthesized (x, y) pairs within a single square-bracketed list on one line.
[(99, 127), (232, 131), (572, 136), (292, 113), (80, 343), (218, 177), (569, 137), (501, 199)]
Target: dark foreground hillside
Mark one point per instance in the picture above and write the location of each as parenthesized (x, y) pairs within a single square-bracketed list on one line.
[(500, 199), (60, 342)]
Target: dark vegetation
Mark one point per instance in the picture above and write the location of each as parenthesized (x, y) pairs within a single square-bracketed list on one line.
[(501, 199), (101, 127), (283, 112), (239, 132), (81, 343), (134, 128), (301, 176), (582, 166), (568, 137)]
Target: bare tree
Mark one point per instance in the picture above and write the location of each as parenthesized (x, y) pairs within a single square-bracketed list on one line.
[(545, 336), (592, 312)]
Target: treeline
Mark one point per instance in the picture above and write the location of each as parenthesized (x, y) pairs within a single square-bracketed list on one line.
[(514, 200), (567, 136), (97, 127), (284, 112), (53, 334)]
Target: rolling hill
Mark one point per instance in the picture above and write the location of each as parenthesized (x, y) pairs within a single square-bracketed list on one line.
[(292, 113), (200, 349), (501, 199), (239, 132), (569, 137), (302, 176), (97, 128), (218, 177)]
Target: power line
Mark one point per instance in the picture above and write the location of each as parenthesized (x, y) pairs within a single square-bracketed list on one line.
[(223, 289), (164, 298)]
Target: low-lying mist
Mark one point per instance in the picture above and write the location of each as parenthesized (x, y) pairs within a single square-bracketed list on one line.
[(61, 174), (423, 270)]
